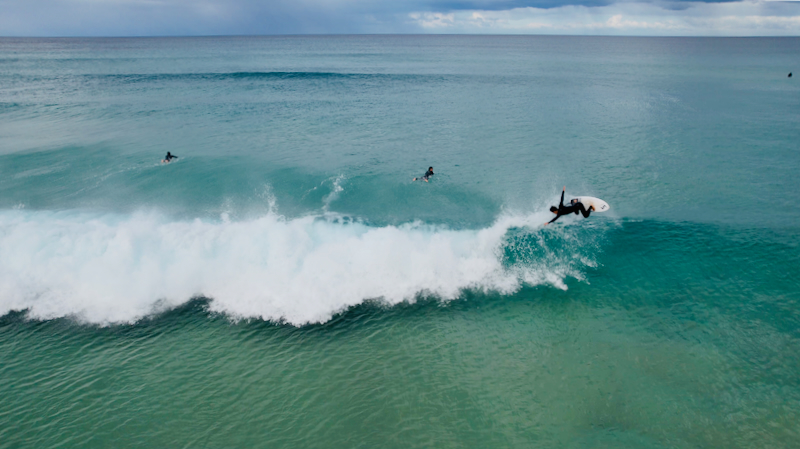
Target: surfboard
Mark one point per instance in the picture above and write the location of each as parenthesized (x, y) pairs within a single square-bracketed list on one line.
[(599, 205)]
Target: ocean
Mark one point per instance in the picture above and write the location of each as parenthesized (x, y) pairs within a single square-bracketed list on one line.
[(284, 283)]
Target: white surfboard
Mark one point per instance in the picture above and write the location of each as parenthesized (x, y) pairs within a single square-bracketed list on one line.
[(599, 205)]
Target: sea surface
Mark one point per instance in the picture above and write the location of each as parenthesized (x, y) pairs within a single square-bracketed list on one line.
[(284, 283)]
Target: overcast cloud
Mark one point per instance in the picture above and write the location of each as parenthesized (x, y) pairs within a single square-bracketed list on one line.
[(236, 17)]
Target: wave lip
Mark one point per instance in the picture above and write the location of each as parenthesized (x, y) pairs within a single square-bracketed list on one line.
[(112, 269)]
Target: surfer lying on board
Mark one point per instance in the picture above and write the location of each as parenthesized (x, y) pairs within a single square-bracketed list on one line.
[(574, 207), (169, 157), (426, 176)]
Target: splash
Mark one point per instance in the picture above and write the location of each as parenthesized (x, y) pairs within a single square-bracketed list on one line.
[(114, 268), (336, 189)]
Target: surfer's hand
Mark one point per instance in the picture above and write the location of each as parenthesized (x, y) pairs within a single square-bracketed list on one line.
[(565, 188)]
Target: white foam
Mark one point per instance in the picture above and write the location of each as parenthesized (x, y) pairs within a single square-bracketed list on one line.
[(110, 268)]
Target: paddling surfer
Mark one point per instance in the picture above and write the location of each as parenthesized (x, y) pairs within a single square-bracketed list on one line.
[(426, 176)]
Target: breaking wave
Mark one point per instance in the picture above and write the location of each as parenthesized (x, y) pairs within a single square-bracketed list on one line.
[(119, 268)]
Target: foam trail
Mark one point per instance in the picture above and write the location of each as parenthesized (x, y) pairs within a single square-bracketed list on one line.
[(110, 268)]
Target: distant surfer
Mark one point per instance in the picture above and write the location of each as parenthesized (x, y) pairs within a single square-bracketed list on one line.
[(574, 207), (790, 74), (426, 176), (168, 158)]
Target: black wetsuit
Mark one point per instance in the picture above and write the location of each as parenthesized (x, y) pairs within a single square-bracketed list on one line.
[(170, 157), (427, 175), (571, 209)]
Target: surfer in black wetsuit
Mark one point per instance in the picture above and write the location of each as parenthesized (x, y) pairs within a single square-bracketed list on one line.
[(426, 176), (169, 157), (574, 207)]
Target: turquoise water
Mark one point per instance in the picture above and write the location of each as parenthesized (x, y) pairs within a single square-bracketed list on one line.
[(285, 284)]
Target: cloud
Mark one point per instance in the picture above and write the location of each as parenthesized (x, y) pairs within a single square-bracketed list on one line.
[(505, 5), (432, 19), (754, 18), (176, 17), (236, 17), (619, 22)]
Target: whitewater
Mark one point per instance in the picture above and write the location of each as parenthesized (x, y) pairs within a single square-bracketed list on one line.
[(107, 268)]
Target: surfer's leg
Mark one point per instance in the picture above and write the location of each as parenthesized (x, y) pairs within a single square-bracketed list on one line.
[(585, 212)]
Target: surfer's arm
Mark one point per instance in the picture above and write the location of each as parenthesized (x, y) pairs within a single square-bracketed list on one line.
[(560, 207)]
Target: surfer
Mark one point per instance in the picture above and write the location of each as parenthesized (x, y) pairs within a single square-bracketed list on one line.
[(426, 176), (169, 158), (575, 206)]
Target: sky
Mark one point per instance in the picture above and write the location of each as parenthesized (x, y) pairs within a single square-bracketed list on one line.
[(272, 17)]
